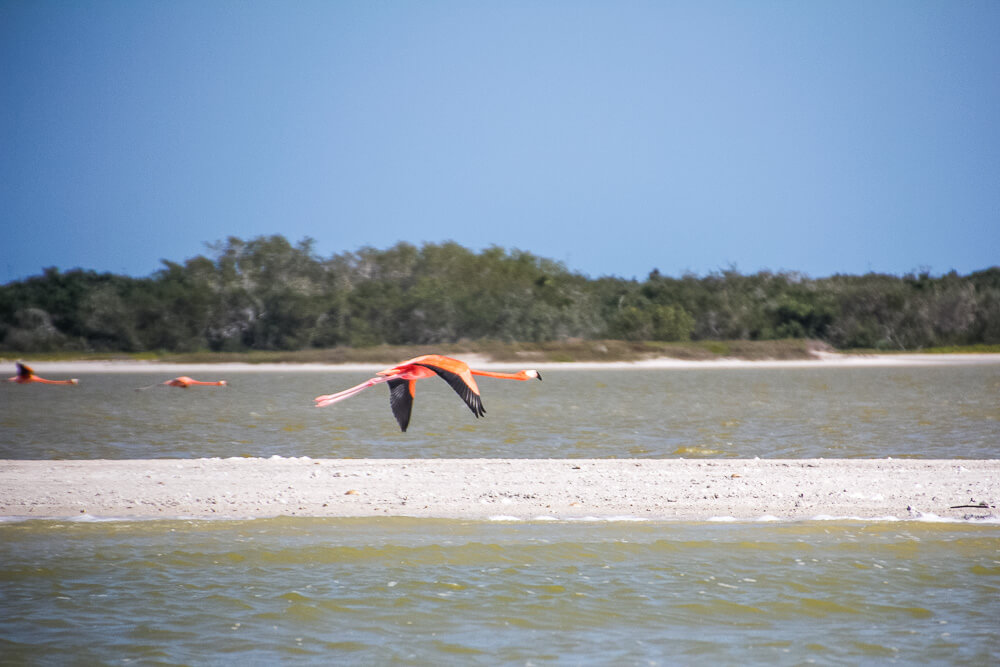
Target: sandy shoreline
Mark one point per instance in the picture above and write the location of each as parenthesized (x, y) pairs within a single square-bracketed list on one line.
[(821, 360), (655, 489)]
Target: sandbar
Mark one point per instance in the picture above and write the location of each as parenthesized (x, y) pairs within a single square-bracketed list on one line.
[(525, 489), (819, 359)]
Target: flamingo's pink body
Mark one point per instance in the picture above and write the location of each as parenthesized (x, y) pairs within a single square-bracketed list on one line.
[(402, 380), (25, 375), (184, 382)]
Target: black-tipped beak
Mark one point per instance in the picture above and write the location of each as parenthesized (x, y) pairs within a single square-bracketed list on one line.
[(539, 376)]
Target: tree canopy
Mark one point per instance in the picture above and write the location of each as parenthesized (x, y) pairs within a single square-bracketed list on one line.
[(269, 294)]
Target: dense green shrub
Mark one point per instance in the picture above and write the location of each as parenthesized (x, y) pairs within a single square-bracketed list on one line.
[(268, 294)]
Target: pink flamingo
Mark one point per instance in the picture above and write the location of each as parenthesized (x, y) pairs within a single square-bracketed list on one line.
[(402, 379), (184, 382), (25, 375)]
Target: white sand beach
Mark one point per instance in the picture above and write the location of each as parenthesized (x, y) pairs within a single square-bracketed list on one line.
[(676, 489), (820, 360)]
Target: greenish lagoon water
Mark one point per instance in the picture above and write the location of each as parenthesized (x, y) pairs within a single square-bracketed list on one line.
[(436, 592), (428, 592)]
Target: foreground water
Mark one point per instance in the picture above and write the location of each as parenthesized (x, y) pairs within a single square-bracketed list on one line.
[(926, 412), (426, 592)]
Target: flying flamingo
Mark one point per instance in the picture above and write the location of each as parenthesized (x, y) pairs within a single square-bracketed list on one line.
[(25, 375), (184, 382), (402, 379)]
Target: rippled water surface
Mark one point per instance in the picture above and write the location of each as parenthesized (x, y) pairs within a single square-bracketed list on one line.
[(927, 412), (451, 592)]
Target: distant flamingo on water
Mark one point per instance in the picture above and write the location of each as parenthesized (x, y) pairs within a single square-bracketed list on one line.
[(403, 377), (26, 375), (184, 382)]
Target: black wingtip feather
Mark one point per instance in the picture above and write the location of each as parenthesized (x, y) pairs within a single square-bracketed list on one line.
[(470, 397), (401, 402)]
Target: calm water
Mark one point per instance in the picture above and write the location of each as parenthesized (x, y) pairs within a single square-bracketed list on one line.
[(428, 592), (931, 412)]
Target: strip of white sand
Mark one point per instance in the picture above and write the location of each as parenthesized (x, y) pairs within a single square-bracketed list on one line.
[(655, 489), (820, 360)]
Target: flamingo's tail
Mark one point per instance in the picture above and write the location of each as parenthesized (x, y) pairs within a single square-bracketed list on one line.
[(330, 399)]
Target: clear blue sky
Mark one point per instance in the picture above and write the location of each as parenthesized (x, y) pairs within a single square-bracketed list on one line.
[(616, 137)]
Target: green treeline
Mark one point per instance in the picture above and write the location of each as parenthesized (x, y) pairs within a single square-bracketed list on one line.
[(268, 294)]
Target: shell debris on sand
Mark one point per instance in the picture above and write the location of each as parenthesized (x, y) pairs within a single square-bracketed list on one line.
[(658, 489)]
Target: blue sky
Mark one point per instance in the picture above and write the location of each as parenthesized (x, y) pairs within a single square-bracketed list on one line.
[(616, 137)]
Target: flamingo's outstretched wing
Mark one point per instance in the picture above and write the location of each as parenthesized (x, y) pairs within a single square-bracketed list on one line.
[(463, 386), (401, 400)]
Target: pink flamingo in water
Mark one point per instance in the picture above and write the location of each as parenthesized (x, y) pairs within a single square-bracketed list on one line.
[(26, 375), (184, 382)]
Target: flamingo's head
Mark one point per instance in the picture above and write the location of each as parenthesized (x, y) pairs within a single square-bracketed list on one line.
[(74, 381), (532, 373)]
